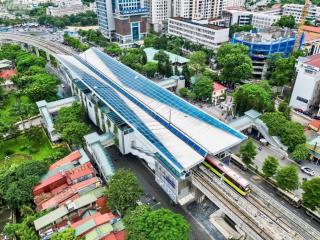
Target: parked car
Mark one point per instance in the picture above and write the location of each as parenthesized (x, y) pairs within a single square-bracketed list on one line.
[(308, 171), (309, 114), (298, 110), (316, 117)]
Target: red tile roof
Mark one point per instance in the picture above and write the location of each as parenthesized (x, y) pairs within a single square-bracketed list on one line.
[(84, 220), (311, 38), (218, 86), (314, 60), (67, 159), (110, 236), (311, 29), (121, 235), (61, 196), (48, 181), (80, 171), (315, 124), (7, 74)]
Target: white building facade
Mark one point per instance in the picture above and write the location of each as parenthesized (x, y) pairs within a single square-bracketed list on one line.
[(199, 32), (306, 91), (159, 11), (296, 11)]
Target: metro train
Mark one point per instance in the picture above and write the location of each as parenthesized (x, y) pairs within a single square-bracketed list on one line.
[(238, 183)]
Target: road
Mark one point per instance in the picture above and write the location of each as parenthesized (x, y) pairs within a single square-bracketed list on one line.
[(146, 180)]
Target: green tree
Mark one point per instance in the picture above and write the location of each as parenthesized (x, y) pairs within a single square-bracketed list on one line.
[(150, 69), (301, 152), (203, 89), (123, 191), (253, 96), (183, 92), (237, 28), (292, 134), (67, 234), (283, 71), (186, 74), (198, 61), (164, 63), (74, 113), (270, 166), (311, 194), (150, 40), (285, 109), (73, 132), (20, 191), (275, 122), (286, 21), (143, 223), (287, 178), (248, 152), (113, 49), (235, 63)]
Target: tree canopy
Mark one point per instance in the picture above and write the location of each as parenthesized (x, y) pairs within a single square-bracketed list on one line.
[(67, 234), (287, 177), (198, 61), (237, 28), (202, 89), (123, 191), (291, 133), (270, 166), (16, 182), (164, 63), (286, 21), (301, 152), (235, 63), (70, 123), (311, 194), (143, 223), (253, 96), (248, 152)]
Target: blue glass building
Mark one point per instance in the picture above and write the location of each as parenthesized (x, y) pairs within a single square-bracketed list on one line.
[(264, 43)]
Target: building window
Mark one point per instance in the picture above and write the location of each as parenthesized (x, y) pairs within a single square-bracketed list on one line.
[(302, 99)]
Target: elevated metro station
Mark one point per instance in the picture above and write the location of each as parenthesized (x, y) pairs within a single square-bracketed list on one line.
[(146, 120)]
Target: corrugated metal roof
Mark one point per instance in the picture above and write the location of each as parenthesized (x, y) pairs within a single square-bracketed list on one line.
[(50, 218)]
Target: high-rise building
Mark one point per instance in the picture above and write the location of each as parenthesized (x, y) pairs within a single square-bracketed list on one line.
[(123, 20), (197, 9), (159, 11)]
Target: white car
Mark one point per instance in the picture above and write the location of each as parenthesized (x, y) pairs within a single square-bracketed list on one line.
[(308, 171)]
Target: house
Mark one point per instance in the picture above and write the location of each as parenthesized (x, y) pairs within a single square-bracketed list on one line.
[(315, 125), (218, 93), (71, 211)]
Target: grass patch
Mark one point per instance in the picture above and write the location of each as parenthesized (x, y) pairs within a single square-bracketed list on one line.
[(9, 103), (22, 148)]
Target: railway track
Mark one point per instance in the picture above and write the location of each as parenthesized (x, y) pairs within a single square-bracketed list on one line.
[(303, 228), (284, 227), (232, 207)]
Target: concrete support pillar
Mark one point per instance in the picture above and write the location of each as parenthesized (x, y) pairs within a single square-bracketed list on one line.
[(23, 46), (48, 57), (37, 52), (30, 48)]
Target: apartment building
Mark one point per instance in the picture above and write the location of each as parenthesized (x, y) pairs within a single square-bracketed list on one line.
[(306, 91), (296, 11), (199, 32), (159, 11), (256, 19)]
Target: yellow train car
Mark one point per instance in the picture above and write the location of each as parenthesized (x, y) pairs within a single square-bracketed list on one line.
[(238, 183)]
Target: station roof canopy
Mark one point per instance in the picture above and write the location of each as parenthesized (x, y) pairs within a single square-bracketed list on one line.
[(182, 133)]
